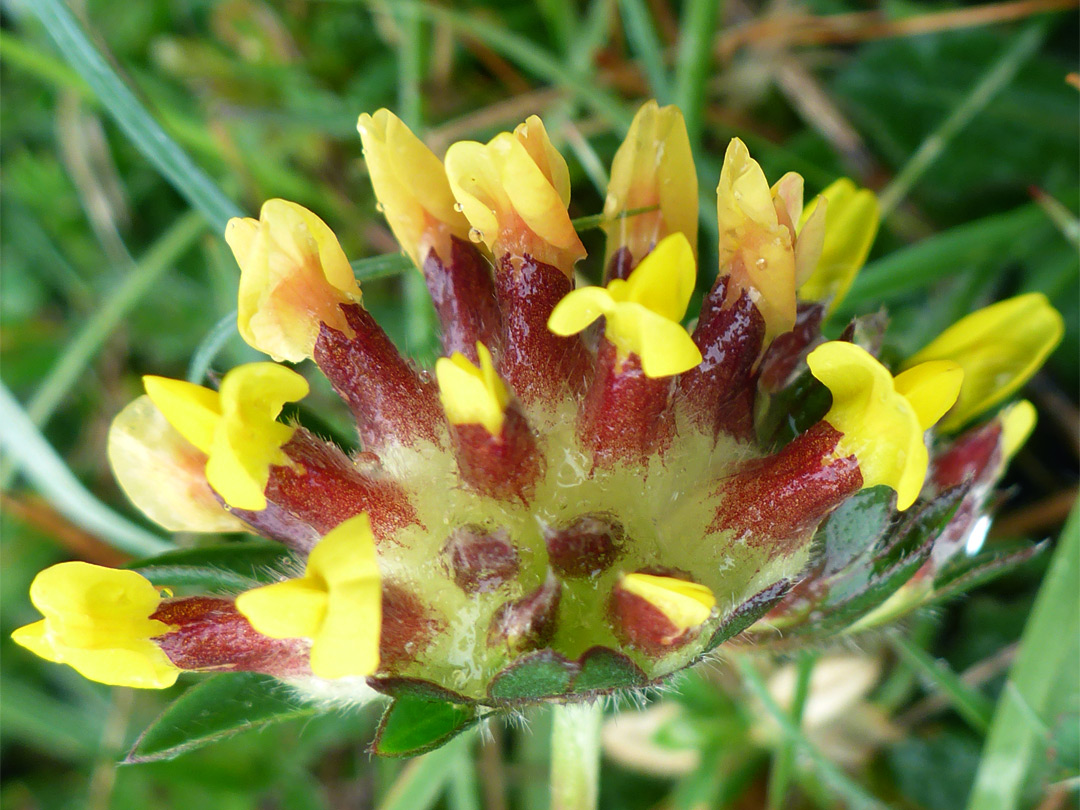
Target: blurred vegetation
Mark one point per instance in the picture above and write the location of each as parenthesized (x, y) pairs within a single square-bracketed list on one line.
[(962, 116)]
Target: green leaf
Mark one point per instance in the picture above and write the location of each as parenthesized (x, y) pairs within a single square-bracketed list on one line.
[(604, 670), (539, 675), (964, 573), (228, 566), (413, 725), (856, 525), (748, 612), (216, 708), (1017, 727)]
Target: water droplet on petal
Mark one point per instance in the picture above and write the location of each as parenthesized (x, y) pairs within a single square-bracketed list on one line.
[(380, 208), (459, 207), (476, 235)]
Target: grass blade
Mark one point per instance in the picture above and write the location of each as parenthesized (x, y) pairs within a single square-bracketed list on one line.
[(784, 764), (144, 131), (210, 346), (973, 706), (851, 794), (644, 42), (1014, 733), (993, 82), (28, 449), (424, 779), (693, 62), (112, 311)]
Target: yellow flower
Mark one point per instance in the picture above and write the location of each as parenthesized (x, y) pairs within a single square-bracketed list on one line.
[(293, 276), (851, 224), (337, 603), (163, 474), (758, 245), (472, 395), (999, 347), (685, 604), (653, 167), (642, 313), (235, 427), (411, 186), (514, 191), (97, 620), (882, 420), (1017, 422)]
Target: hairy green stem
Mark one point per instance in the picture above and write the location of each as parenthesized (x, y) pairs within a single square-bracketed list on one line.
[(575, 756)]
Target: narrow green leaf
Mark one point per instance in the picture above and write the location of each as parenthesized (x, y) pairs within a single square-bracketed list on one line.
[(228, 566), (144, 131), (970, 704), (412, 725), (216, 708), (35, 457), (993, 81), (784, 762), (693, 62), (965, 573), (943, 255), (645, 42), (1014, 733), (96, 330), (848, 792), (210, 346)]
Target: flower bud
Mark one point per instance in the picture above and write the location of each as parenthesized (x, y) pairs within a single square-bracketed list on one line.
[(652, 168), (293, 277), (514, 191)]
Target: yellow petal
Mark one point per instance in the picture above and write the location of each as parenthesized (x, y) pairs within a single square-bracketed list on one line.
[(511, 191), (194, 411), (411, 186), (880, 426), (756, 249), (664, 346), (685, 604), (664, 280), (97, 620), (931, 388), (248, 440), (1017, 422), (652, 167), (295, 608), (999, 347), (293, 277), (472, 395), (578, 309), (851, 225), (337, 603), (162, 473)]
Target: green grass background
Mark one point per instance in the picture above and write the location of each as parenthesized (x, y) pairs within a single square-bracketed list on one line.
[(113, 267)]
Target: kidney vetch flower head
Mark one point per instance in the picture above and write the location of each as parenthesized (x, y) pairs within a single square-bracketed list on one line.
[(589, 493)]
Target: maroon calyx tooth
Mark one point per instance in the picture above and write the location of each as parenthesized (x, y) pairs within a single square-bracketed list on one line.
[(407, 627), (586, 547), (620, 266), (391, 402), (639, 623), (326, 489), (787, 352), (464, 296), (503, 465), (719, 393), (974, 455), (622, 416), (529, 623), (209, 633), (537, 364), (776, 502), (480, 561)]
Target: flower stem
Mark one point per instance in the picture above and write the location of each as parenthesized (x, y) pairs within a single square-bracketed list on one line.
[(575, 756)]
